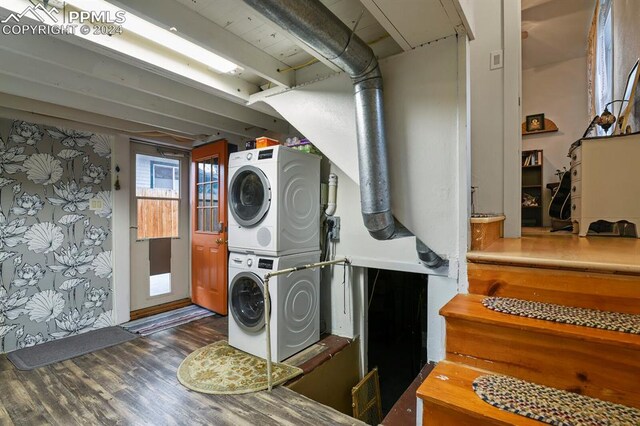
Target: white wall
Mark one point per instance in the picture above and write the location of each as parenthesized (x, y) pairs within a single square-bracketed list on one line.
[(428, 152), (487, 157), (560, 92), (468, 8), (121, 244), (495, 111), (421, 106)]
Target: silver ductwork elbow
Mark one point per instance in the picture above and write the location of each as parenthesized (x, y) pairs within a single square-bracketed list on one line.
[(312, 23), (375, 190)]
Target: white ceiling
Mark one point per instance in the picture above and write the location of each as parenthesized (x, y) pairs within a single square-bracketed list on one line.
[(238, 18), (416, 22), (557, 30), (73, 76)]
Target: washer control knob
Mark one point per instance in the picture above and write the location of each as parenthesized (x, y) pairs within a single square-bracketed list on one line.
[(249, 156), (249, 262)]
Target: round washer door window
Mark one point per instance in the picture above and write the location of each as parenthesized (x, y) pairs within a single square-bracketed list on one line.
[(247, 301), (249, 196)]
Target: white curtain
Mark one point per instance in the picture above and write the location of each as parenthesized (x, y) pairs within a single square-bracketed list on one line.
[(604, 60)]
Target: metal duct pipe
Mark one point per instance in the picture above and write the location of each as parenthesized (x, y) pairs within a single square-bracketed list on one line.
[(314, 24)]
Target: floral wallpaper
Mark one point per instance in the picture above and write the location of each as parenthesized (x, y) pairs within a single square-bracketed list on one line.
[(55, 252)]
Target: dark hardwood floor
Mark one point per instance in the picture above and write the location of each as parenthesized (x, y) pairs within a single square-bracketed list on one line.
[(135, 383)]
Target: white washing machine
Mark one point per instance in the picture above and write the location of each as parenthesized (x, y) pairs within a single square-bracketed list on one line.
[(274, 201), (295, 305)]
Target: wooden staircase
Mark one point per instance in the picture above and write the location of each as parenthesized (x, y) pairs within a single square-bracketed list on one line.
[(593, 362)]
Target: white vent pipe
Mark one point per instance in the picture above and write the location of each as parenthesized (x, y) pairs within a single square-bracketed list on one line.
[(332, 195)]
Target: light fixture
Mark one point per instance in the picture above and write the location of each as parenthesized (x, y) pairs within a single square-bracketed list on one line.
[(606, 119), (159, 35)]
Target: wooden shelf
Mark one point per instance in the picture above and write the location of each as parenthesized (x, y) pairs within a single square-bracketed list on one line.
[(532, 186), (549, 126)]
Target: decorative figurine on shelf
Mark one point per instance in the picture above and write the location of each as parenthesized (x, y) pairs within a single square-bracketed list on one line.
[(529, 200)]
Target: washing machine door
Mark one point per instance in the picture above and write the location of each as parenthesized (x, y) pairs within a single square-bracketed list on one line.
[(249, 196), (246, 294)]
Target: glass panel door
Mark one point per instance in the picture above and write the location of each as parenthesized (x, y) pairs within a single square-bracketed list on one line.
[(207, 209), (160, 213), (157, 196)]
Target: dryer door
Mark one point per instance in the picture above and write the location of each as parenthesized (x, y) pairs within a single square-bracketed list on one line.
[(246, 297), (249, 196)]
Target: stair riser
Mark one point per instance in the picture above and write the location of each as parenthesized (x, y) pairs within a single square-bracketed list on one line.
[(608, 292), (437, 415), (598, 370)]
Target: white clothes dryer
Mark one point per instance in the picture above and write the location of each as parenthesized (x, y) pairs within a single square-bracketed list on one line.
[(295, 305), (274, 201)]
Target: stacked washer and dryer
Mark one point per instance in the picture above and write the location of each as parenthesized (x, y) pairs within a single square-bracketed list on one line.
[(274, 217)]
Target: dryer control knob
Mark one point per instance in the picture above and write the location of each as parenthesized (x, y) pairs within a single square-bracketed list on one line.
[(249, 155), (249, 262)]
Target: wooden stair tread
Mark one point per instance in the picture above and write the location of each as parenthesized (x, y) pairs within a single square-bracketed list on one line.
[(605, 254), (469, 307), (450, 386), (539, 261)]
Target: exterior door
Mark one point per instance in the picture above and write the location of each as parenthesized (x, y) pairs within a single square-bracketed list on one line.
[(209, 232), (160, 226)]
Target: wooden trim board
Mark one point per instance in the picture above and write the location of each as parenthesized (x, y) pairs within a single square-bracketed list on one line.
[(158, 309), (485, 233)]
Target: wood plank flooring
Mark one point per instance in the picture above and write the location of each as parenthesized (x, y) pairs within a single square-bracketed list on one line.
[(135, 384)]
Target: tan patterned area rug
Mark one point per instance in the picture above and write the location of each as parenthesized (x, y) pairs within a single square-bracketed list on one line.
[(221, 369)]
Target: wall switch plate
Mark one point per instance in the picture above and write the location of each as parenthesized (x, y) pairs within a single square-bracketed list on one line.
[(496, 60), (333, 223), (96, 204)]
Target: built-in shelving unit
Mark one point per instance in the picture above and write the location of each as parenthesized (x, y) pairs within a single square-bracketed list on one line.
[(532, 187)]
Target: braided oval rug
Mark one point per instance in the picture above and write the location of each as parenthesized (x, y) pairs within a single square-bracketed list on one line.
[(614, 321), (552, 406)]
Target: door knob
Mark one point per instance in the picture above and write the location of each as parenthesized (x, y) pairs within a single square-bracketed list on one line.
[(220, 241)]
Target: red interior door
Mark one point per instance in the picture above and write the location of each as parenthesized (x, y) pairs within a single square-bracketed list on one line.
[(209, 231)]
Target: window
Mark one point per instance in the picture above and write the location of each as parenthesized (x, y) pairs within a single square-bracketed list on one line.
[(604, 58), (165, 176), (157, 196), (207, 214)]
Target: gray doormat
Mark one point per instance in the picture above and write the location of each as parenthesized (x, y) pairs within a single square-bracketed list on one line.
[(69, 347), (552, 406), (614, 321), (166, 320)]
